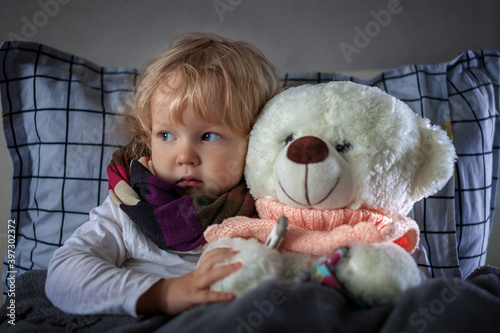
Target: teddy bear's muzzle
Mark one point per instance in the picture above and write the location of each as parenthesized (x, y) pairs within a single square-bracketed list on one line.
[(308, 172)]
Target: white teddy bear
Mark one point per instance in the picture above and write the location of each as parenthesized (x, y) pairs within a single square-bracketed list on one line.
[(344, 163)]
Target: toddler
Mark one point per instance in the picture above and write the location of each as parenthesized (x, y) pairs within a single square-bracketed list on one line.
[(193, 111)]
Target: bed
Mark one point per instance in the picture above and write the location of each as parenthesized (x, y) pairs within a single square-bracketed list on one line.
[(62, 120)]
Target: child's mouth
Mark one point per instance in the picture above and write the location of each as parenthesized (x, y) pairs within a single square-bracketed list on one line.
[(189, 182)]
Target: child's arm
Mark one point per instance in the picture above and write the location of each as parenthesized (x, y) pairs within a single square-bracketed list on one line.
[(86, 275), (91, 274), (173, 296)]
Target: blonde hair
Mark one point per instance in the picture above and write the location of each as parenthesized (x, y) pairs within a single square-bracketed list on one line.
[(210, 73)]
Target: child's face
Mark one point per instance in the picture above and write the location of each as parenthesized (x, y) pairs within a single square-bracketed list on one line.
[(204, 158)]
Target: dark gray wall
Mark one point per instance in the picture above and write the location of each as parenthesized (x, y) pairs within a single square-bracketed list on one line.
[(296, 34)]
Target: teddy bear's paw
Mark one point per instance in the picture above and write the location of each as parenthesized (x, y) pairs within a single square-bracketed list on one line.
[(260, 263), (376, 273), (295, 263)]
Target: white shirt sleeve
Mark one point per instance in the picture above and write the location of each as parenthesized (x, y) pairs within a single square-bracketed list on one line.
[(89, 273)]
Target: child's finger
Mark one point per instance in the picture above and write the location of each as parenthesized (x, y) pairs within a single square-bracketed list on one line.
[(213, 257), (217, 273), (208, 296)]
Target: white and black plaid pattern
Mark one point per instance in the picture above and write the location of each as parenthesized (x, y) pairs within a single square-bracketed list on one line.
[(61, 118)]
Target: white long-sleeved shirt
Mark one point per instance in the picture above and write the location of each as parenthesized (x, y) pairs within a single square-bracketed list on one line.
[(108, 263)]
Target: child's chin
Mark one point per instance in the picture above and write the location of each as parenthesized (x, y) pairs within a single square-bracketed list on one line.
[(193, 190), (199, 191), (204, 189)]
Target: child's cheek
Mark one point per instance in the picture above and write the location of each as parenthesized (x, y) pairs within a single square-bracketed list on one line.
[(235, 168)]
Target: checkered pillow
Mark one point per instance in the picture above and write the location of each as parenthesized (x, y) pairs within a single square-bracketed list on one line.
[(62, 120)]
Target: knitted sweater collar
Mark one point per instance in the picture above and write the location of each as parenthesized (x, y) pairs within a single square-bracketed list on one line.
[(319, 219), (319, 232)]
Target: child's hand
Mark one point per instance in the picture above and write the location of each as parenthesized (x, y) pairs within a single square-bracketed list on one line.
[(176, 295)]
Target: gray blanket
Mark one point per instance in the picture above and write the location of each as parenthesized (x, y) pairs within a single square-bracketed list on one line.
[(439, 305)]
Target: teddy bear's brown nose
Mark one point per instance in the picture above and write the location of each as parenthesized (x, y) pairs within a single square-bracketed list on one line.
[(308, 149)]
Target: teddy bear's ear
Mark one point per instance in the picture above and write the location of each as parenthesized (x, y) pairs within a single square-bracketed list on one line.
[(436, 160)]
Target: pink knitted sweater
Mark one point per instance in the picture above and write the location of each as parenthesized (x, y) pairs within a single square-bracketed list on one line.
[(319, 232)]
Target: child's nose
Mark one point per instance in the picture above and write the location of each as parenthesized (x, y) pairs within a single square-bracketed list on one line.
[(187, 155)]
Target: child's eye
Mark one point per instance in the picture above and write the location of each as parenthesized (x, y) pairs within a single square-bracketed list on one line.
[(166, 136), (211, 137)]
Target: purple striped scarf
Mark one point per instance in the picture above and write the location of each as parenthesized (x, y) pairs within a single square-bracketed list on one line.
[(171, 218)]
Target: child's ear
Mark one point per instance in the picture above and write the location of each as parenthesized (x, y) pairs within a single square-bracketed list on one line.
[(435, 162)]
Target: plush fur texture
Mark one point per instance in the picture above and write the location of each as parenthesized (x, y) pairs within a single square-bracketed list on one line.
[(256, 269), (343, 145), (360, 272), (395, 159)]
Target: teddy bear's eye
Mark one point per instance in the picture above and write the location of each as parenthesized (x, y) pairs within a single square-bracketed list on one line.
[(343, 147), (289, 139)]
